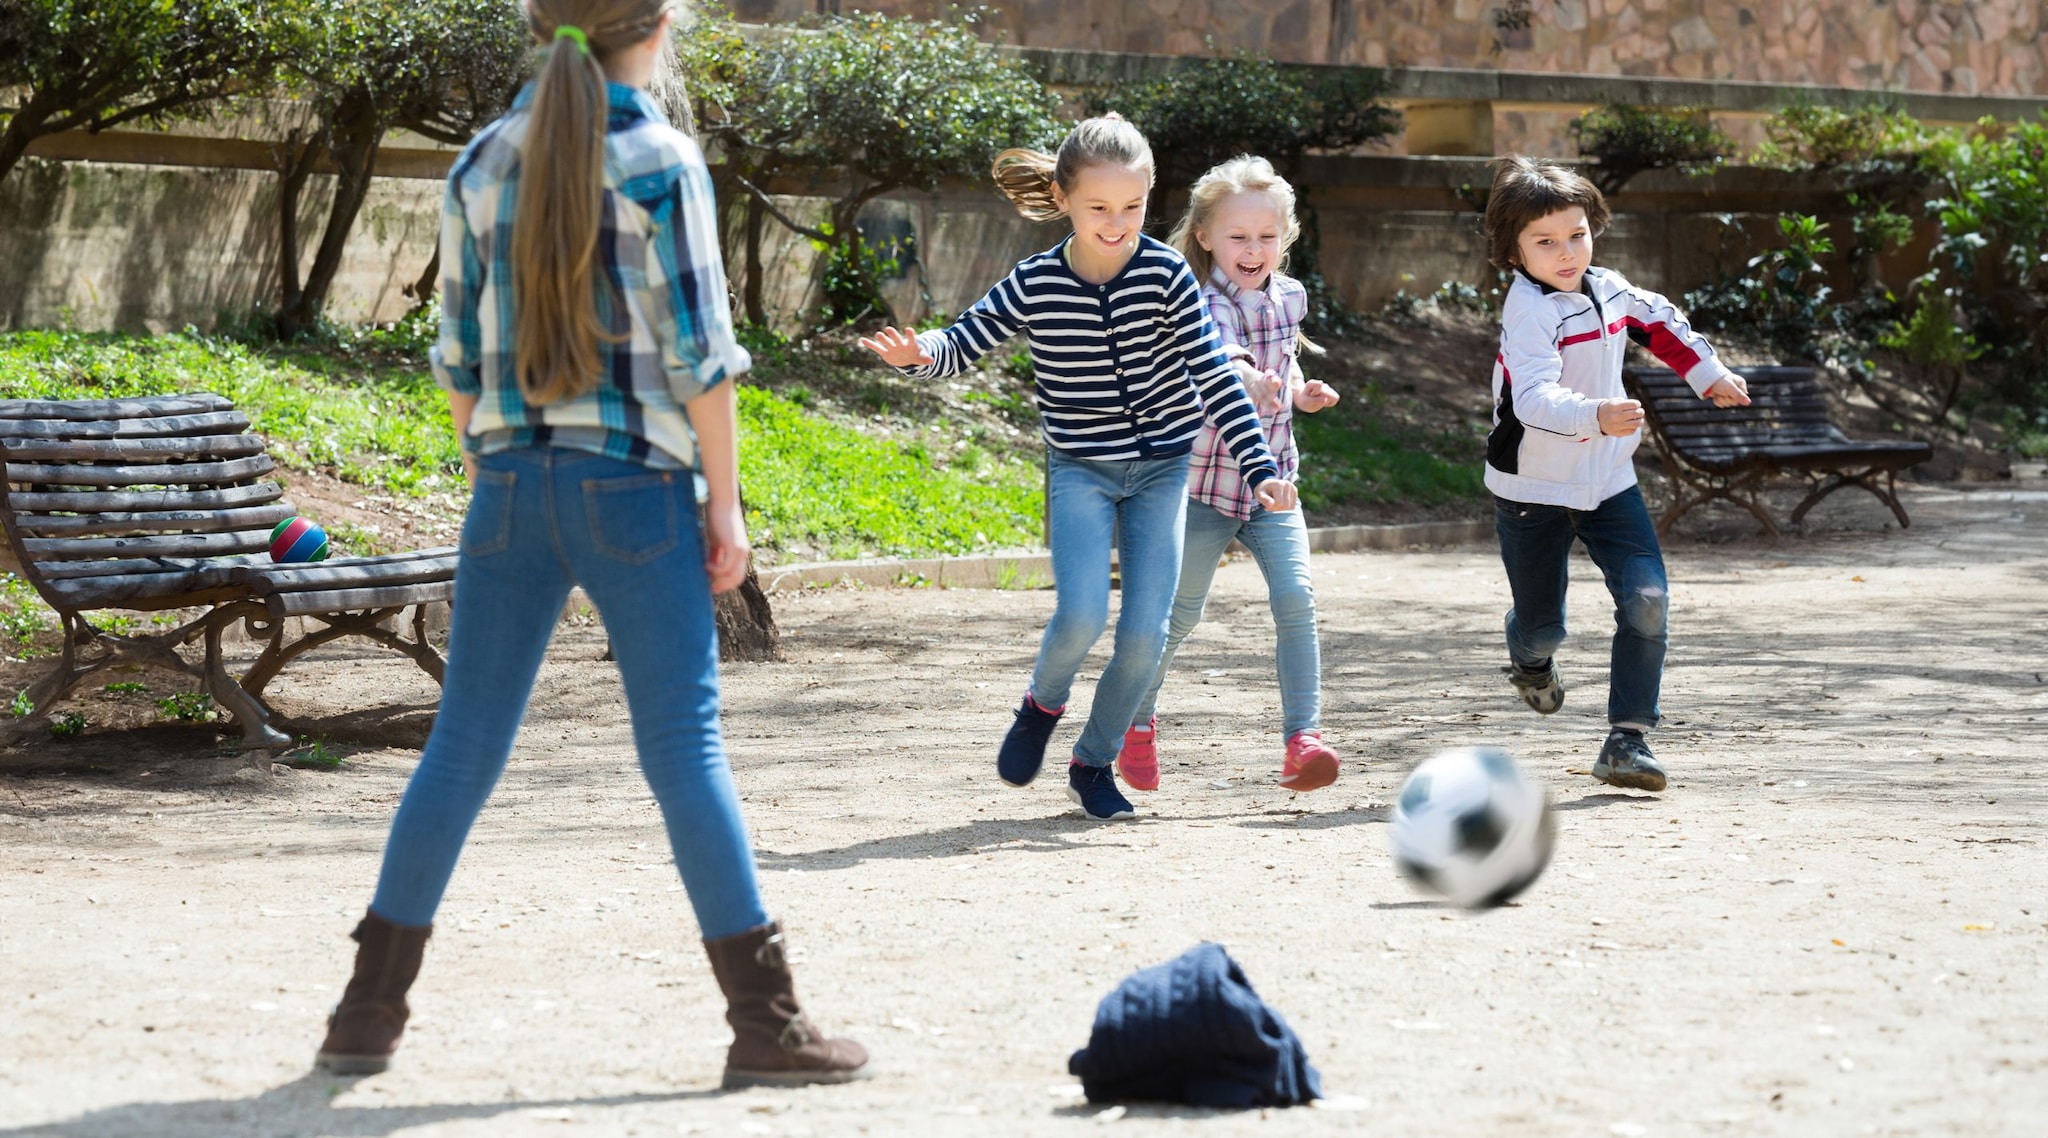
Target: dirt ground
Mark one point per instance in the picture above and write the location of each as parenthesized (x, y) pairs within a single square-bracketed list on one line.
[(1834, 922)]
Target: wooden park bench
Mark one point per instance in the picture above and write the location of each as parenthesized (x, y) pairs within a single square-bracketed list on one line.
[(1730, 454), (153, 505)]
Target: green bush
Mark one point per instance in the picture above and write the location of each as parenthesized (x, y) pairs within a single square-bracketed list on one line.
[(891, 103), (95, 64), (1830, 139), (1627, 140), (1781, 293), (1217, 109)]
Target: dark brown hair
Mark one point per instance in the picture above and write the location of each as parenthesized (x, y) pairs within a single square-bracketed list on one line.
[(1027, 177), (555, 274), (1525, 190)]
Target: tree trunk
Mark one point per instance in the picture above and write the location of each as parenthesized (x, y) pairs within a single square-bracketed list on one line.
[(357, 133), (295, 167), (21, 130), (421, 291), (757, 314), (746, 624)]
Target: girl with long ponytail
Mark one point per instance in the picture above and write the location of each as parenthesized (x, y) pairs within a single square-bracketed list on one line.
[(588, 354)]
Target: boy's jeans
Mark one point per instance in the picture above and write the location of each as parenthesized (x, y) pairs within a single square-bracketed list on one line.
[(1144, 503), (1536, 546), (541, 520), (1279, 543)]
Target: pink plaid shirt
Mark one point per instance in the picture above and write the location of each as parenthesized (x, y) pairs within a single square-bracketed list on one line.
[(1265, 323)]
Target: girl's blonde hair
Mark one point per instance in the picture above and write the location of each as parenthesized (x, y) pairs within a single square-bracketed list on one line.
[(555, 271), (1027, 177), (1244, 174)]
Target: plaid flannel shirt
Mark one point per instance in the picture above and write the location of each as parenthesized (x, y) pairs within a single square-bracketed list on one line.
[(1264, 324), (658, 244)]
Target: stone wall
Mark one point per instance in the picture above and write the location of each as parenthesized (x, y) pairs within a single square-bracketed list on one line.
[(102, 246), (1973, 47)]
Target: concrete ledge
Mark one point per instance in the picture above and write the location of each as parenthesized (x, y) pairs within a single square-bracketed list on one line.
[(1034, 570)]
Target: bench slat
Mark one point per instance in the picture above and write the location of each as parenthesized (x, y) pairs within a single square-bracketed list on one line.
[(75, 570), (355, 600), (130, 450), (168, 474), (140, 501), (84, 410), (173, 545), (196, 586), (210, 423), (173, 521), (355, 573)]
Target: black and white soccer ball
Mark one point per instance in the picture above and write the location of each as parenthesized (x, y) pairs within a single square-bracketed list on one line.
[(1471, 826)]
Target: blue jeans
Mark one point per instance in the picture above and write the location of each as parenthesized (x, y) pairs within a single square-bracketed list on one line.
[(541, 520), (1279, 543), (1536, 547), (1143, 504)]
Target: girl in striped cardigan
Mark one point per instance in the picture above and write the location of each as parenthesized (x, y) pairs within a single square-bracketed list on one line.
[(1127, 368)]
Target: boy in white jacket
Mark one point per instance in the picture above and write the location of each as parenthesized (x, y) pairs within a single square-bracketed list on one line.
[(1559, 460)]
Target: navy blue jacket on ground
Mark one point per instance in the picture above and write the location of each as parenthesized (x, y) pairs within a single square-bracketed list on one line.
[(1193, 1031)]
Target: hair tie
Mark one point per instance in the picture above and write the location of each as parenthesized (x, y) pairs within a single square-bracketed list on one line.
[(572, 32)]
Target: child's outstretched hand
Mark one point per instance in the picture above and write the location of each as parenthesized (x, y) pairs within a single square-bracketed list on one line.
[(1277, 495), (896, 347), (1315, 395), (1620, 417), (1729, 391), (1262, 386)]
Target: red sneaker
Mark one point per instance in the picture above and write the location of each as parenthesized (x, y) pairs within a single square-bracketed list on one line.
[(1309, 764), (1138, 762)]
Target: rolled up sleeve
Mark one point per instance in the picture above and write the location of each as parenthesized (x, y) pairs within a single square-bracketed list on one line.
[(699, 347)]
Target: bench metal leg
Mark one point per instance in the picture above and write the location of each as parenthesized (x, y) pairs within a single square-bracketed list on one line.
[(1888, 493), (1741, 491), (367, 624), (250, 713)]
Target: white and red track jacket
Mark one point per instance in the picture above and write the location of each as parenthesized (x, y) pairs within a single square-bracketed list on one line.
[(1560, 355)]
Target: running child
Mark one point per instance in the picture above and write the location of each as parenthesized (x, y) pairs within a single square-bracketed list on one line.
[(1235, 235), (1127, 368), (1559, 460), (589, 359)]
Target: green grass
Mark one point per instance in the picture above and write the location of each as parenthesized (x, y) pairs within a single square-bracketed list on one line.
[(814, 484), (1347, 455), (367, 420)]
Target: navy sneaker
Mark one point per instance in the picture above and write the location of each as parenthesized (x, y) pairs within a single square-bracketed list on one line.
[(1095, 789), (1626, 761), (1024, 747)]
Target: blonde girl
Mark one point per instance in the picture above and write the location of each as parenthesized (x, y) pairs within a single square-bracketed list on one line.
[(1238, 227), (589, 359), (1127, 370)]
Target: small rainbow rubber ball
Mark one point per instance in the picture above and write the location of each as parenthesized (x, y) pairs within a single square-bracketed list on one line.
[(298, 539)]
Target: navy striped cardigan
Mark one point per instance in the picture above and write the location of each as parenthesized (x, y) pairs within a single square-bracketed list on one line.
[(1125, 370)]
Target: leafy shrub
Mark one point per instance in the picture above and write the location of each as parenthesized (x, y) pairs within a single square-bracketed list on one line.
[(1780, 293), (69, 725), (1626, 140), (1808, 136), (1219, 108), (892, 103), (1933, 339)]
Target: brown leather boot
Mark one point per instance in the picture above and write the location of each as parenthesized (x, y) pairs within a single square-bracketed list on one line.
[(773, 1042), (364, 1029)]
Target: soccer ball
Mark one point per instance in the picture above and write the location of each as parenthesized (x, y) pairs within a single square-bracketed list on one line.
[(1471, 826)]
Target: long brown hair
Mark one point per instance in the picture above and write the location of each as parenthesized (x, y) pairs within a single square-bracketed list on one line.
[(555, 274), (1027, 177)]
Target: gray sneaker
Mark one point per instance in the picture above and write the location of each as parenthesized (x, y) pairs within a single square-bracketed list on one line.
[(1626, 761), (1541, 689)]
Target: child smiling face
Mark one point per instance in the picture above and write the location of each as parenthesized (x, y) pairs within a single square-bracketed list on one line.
[(1556, 248), (1245, 234), (1107, 207)]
